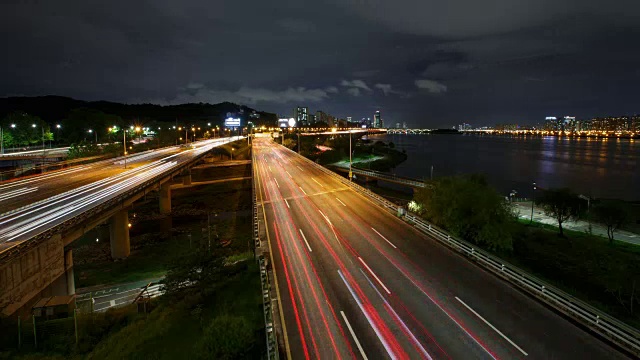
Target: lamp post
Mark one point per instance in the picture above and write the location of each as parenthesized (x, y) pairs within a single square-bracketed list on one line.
[(588, 198), (58, 134), (96, 134), (533, 201), (124, 145), (350, 158), (232, 150)]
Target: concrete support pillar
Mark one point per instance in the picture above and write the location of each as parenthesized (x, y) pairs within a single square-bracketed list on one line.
[(68, 265), (119, 235), (165, 198), (186, 178), (65, 284)]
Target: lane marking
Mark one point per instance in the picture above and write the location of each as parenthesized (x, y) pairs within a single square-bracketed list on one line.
[(302, 190), (369, 320), (299, 168), (491, 326), (385, 239), (276, 180), (289, 174), (340, 201), (305, 240), (374, 275), (402, 323), (353, 335), (325, 217), (285, 200), (270, 168), (314, 179)]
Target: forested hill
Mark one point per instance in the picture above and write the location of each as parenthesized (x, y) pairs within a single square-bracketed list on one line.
[(56, 108)]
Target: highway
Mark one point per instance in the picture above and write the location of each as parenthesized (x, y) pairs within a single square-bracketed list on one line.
[(35, 204), (357, 282)]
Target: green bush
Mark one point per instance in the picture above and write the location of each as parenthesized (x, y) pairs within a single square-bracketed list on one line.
[(469, 208), (226, 337)]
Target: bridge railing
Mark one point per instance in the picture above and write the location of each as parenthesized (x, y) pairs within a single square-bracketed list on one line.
[(270, 333), (598, 321), (390, 177)]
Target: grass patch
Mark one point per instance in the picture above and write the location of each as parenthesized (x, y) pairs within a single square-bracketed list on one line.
[(228, 203), (174, 330), (586, 266)]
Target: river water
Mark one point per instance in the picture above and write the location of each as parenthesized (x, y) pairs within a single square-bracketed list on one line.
[(601, 168)]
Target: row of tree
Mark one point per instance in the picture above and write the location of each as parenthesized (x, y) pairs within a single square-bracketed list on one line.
[(470, 208), (564, 205)]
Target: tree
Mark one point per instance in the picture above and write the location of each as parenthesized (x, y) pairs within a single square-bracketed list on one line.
[(613, 214), (469, 208), (561, 204), (25, 129)]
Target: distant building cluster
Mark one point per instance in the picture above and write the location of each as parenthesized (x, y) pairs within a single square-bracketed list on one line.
[(302, 117), (629, 125), (608, 123)]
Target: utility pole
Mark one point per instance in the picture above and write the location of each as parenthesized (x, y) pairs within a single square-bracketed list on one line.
[(533, 201), (1, 141), (350, 158), (43, 148), (124, 145)]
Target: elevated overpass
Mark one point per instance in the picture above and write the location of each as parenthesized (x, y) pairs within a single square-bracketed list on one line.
[(42, 214)]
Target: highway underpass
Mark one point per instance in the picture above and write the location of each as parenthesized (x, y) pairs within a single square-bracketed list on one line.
[(39, 215), (356, 282)]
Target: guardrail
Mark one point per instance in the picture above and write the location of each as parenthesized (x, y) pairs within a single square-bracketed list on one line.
[(96, 210), (387, 177), (270, 333), (598, 321)]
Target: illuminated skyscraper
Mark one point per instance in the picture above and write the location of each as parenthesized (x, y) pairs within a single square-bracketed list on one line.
[(301, 114), (377, 120)]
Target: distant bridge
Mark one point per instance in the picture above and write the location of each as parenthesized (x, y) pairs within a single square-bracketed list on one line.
[(378, 175)]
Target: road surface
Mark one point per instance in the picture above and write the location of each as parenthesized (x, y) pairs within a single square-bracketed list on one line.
[(356, 282), (41, 202)]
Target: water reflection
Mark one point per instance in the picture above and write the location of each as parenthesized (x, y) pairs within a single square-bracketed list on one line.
[(602, 167)]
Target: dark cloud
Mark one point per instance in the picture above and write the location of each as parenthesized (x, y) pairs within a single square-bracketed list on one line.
[(424, 62)]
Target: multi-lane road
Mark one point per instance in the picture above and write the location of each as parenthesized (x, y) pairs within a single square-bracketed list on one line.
[(356, 282), (32, 205)]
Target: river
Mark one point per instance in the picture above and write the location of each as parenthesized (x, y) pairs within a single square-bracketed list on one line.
[(599, 167)]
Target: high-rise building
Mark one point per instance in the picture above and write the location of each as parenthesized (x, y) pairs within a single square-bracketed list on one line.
[(321, 117), (301, 114), (348, 118), (377, 120)]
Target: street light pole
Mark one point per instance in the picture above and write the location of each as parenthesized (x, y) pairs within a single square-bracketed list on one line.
[(533, 201), (124, 145), (350, 158)]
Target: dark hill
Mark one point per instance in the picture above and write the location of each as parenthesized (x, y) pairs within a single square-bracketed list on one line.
[(56, 108)]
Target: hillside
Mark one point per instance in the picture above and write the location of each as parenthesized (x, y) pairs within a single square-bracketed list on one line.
[(56, 108)]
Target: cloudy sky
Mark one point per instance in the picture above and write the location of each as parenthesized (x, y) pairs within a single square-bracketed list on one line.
[(429, 63)]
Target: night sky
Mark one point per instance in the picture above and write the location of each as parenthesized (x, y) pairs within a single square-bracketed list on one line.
[(429, 63)]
